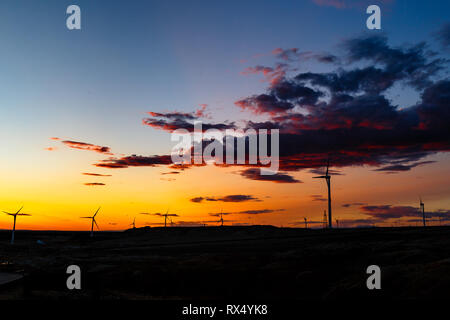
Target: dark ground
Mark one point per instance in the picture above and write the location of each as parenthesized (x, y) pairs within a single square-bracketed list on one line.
[(258, 262)]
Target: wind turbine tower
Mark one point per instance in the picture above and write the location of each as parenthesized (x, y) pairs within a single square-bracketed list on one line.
[(422, 208), (306, 223), (221, 218), (165, 217), (15, 217), (325, 222), (134, 223), (327, 178), (93, 222)]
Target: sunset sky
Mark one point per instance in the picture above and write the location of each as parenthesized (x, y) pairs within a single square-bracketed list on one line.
[(75, 102)]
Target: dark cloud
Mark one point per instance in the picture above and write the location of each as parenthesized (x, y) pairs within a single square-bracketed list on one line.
[(384, 212), (170, 172), (402, 167), (261, 211), (173, 121), (265, 103), (345, 115), (228, 198), (94, 184), (443, 35), (322, 171), (248, 212), (347, 205), (255, 174), (135, 161), (86, 146), (318, 197), (95, 174), (164, 214)]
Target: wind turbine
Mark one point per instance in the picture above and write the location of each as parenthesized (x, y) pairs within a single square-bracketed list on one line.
[(171, 222), (165, 217), (15, 217), (93, 222), (134, 223), (422, 208), (306, 223), (337, 223), (327, 178), (221, 218)]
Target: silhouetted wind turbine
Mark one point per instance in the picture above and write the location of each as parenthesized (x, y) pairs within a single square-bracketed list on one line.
[(15, 217), (306, 223), (221, 218), (422, 208), (171, 222), (165, 217), (327, 178), (93, 222), (337, 223), (134, 223)]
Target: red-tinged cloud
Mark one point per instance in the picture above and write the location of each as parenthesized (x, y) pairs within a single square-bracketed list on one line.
[(94, 184), (228, 198), (51, 149), (87, 146), (272, 75), (255, 174), (344, 115)]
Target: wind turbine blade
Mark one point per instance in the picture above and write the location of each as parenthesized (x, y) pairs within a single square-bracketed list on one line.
[(85, 217), (96, 212), (95, 222), (19, 210), (328, 164), (319, 177), (9, 214), (23, 214)]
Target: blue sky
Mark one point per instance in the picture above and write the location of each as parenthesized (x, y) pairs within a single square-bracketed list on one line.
[(135, 56)]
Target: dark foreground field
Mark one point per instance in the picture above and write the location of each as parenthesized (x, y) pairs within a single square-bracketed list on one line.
[(228, 263)]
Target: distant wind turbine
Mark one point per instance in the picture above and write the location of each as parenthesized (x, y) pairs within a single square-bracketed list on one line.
[(337, 223), (15, 217), (327, 178), (134, 223), (165, 217), (221, 218), (93, 222), (422, 208), (306, 223)]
